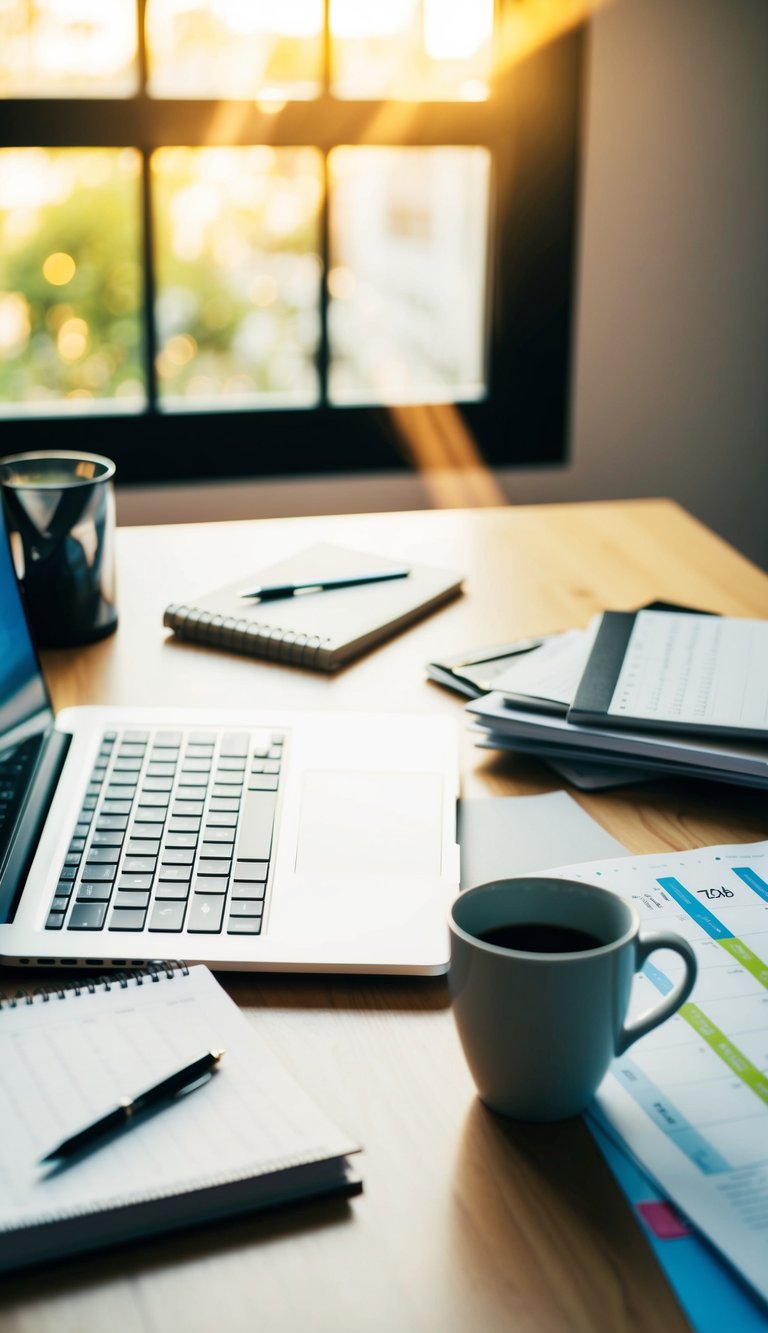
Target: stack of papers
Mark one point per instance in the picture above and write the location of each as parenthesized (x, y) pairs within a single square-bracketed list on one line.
[(644, 693)]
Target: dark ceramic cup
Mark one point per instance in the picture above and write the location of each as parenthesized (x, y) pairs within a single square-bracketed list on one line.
[(60, 511)]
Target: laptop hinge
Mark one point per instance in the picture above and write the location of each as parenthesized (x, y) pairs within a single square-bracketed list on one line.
[(31, 821)]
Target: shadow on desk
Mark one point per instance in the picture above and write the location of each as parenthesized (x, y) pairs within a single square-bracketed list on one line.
[(533, 1201)]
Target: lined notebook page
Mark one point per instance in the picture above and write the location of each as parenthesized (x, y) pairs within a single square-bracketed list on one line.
[(67, 1061)]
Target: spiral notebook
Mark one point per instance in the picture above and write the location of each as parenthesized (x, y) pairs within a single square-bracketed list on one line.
[(249, 1139), (322, 630)]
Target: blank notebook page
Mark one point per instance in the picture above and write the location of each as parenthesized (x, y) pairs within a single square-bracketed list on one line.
[(65, 1062)]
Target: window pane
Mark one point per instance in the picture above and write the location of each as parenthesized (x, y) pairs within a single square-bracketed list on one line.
[(238, 269), (235, 48), (407, 280), (61, 48), (70, 280), (420, 50)]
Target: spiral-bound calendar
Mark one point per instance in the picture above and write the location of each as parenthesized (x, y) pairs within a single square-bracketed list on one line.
[(251, 1138)]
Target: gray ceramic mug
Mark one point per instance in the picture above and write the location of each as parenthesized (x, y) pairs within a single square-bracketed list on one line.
[(539, 1029)]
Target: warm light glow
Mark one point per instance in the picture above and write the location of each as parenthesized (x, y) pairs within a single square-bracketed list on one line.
[(14, 323), (68, 47), (181, 349), (341, 283), (59, 269), (72, 340), (456, 29), (371, 18)]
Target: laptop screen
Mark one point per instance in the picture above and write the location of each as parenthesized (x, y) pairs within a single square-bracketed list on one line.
[(25, 709)]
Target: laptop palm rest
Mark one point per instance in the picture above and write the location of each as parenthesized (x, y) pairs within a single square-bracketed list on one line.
[(370, 823)]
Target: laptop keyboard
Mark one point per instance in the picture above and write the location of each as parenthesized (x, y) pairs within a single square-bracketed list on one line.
[(175, 834)]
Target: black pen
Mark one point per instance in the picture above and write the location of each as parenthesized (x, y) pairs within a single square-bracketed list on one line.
[(182, 1081), (270, 590)]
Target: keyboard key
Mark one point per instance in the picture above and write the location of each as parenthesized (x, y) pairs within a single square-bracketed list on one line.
[(97, 893), (148, 815), (87, 916), (135, 882), (130, 918), (59, 904), (178, 856), (168, 738), (231, 765), (262, 782), (234, 743), (143, 847), (108, 838), (85, 818), (142, 828), (181, 840), (202, 738), (125, 765), (139, 865), (110, 823), (278, 738), (121, 779), (213, 866), (64, 888), (175, 874), (161, 770), (167, 916), (130, 898), (116, 808), (271, 766), (258, 817), (214, 849), (157, 784), (100, 874), (274, 752), (246, 907), (134, 738), (152, 798), (220, 792), (253, 872), (72, 859), (77, 845), (68, 872), (244, 925), (196, 765), (120, 792), (172, 891), (205, 915), (82, 830), (230, 804), (54, 921), (220, 819), (211, 884), (177, 825), (187, 809), (254, 893), (229, 779), (188, 778), (107, 855), (210, 835)]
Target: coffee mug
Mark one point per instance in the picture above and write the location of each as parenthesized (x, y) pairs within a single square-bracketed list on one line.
[(60, 510), (540, 977)]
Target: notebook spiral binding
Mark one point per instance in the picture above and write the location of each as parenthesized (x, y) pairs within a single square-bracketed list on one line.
[(246, 636), (152, 972)]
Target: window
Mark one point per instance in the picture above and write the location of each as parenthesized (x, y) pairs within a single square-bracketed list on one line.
[(239, 238)]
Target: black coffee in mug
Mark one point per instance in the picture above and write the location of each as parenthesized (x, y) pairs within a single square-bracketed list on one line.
[(540, 937)]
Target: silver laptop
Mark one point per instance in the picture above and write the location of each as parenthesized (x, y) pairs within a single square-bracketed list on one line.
[(277, 841)]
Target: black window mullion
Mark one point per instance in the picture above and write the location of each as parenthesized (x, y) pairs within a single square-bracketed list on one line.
[(149, 290)]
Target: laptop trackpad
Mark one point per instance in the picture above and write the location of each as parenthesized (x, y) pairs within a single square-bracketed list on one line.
[(378, 823)]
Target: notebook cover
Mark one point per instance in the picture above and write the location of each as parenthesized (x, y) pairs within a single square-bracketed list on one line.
[(322, 630)]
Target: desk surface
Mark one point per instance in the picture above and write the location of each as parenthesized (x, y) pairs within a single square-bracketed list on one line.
[(466, 1220)]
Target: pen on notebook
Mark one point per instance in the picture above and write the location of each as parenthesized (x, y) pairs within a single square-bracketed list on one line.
[(270, 590), (183, 1080)]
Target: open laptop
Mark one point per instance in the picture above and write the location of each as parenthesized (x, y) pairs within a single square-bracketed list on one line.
[(277, 841)]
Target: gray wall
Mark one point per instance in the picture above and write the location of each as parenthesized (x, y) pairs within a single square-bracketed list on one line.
[(669, 392)]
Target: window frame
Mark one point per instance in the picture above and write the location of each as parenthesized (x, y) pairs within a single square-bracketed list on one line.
[(531, 126)]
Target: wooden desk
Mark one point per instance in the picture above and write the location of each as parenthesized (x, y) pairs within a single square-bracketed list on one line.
[(467, 1221)]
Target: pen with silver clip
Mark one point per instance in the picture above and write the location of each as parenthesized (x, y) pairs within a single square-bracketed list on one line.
[(183, 1080), (268, 591)]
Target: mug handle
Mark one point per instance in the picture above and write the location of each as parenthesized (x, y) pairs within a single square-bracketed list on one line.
[(648, 941)]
